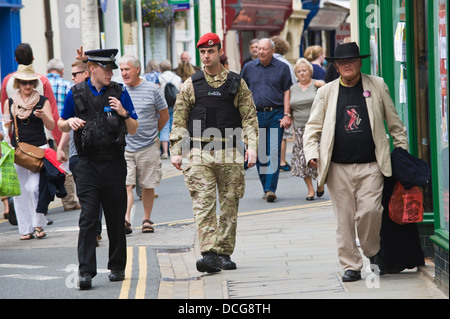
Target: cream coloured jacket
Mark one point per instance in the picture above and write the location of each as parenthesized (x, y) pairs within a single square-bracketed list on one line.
[(322, 122)]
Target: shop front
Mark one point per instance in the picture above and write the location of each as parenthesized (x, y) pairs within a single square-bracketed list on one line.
[(408, 42), (255, 19), (10, 26)]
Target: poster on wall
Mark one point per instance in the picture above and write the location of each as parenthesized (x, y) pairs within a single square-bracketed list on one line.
[(69, 12)]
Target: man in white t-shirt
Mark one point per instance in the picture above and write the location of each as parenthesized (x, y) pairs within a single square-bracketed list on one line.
[(142, 149)]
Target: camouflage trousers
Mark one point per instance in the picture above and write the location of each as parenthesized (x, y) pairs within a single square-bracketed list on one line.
[(204, 181)]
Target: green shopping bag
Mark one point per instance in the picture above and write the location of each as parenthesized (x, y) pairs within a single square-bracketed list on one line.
[(9, 182)]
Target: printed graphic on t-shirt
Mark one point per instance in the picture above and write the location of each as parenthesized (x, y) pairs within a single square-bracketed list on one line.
[(352, 119)]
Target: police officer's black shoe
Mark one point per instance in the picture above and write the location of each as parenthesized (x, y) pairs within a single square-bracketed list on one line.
[(377, 265), (226, 263), (209, 263), (85, 281), (351, 275), (116, 275)]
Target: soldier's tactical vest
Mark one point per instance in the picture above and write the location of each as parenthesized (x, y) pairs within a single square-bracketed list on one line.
[(214, 107), (103, 136)]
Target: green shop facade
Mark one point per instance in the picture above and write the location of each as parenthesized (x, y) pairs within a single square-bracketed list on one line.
[(408, 42)]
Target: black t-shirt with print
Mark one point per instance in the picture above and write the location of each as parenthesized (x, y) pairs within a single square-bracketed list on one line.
[(353, 135)]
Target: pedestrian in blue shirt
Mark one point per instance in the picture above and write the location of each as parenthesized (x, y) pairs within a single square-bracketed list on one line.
[(100, 113), (60, 87), (269, 80)]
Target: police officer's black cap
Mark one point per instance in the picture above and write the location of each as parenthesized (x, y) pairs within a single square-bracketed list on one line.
[(104, 57)]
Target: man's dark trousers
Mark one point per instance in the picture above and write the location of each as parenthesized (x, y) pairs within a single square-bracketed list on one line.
[(101, 182)]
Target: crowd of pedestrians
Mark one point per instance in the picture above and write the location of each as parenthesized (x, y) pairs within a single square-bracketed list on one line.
[(114, 134)]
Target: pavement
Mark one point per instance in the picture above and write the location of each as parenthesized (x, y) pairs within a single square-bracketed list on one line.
[(285, 253), (282, 253)]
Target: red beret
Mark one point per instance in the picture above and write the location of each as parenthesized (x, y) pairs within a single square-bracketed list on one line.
[(208, 40)]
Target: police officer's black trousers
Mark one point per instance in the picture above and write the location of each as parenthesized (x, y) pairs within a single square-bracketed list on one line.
[(101, 182)]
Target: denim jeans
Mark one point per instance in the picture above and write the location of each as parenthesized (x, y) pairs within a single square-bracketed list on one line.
[(269, 148)]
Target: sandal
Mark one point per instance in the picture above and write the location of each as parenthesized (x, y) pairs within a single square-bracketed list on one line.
[(147, 228), (128, 229), (40, 233), (27, 237)]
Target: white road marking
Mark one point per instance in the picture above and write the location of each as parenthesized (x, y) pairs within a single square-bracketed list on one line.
[(21, 266)]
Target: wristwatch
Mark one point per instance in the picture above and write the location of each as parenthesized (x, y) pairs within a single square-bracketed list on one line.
[(288, 115), (127, 116)]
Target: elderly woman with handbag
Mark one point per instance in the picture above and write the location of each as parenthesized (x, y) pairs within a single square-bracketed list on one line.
[(31, 112)]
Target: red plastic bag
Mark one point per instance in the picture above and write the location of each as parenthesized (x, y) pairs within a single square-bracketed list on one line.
[(406, 206)]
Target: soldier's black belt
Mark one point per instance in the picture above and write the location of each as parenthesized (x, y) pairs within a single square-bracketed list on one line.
[(216, 145)]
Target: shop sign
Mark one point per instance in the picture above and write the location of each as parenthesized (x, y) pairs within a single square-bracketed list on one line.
[(257, 14), (179, 5)]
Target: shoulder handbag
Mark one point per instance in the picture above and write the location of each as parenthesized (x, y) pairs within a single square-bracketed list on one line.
[(26, 155)]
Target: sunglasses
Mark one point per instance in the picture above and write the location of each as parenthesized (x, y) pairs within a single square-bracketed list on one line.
[(346, 61), (74, 74), (25, 83)]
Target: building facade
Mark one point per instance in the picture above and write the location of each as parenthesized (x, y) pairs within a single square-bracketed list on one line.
[(11, 37), (408, 40)]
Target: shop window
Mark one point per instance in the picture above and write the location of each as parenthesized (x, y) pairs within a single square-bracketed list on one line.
[(129, 29), (420, 103), (440, 101)]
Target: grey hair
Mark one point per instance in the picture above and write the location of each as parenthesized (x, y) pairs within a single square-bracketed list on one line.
[(272, 44), (165, 65), (253, 42), (152, 65), (130, 59), (55, 64)]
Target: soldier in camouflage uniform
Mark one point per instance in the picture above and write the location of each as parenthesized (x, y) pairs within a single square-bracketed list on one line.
[(213, 104)]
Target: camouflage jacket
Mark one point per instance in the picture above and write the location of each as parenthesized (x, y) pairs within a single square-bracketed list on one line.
[(186, 101)]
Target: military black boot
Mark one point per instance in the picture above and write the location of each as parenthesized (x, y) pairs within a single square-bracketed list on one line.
[(209, 263), (226, 263)]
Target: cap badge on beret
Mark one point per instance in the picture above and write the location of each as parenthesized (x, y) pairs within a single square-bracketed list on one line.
[(208, 40)]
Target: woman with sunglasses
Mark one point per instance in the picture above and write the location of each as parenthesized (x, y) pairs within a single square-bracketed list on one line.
[(33, 113)]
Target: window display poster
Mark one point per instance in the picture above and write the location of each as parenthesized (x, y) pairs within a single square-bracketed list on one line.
[(443, 67), (400, 42), (443, 42)]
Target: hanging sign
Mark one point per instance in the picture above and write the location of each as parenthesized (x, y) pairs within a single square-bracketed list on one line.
[(179, 5)]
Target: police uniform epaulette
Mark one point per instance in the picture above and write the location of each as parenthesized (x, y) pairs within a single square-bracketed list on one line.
[(118, 86)]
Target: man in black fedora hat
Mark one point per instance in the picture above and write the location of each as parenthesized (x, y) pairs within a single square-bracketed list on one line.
[(101, 113), (348, 117)]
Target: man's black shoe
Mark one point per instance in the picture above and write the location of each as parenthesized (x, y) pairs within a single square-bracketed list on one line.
[(116, 275), (85, 282), (377, 265), (226, 263), (209, 263), (351, 275)]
